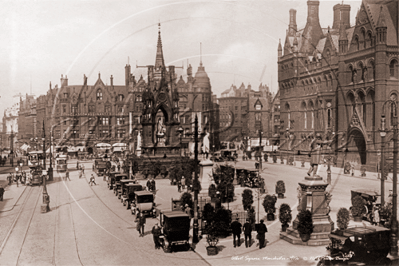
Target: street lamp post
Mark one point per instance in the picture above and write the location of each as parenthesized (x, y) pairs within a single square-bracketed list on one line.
[(394, 223), (180, 131), (44, 165), (260, 150), (50, 169), (196, 188), (383, 133)]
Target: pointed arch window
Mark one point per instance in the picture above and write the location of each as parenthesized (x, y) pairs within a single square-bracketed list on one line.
[(394, 69), (99, 95)]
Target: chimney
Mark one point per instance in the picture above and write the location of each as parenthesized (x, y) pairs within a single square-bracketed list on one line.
[(112, 81), (313, 12), (292, 28), (127, 74), (345, 15), (337, 16), (312, 32)]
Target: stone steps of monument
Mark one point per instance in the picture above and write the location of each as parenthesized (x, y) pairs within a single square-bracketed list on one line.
[(298, 241), (292, 232)]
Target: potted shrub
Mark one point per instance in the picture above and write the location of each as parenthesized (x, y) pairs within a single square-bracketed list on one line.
[(269, 204), (285, 216), (385, 215), (305, 225), (280, 189), (212, 241), (212, 191), (342, 220), (247, 199), (358, 208)]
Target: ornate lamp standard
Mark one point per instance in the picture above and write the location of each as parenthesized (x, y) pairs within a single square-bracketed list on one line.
[(383, 133), (260, 151), (394, 223), (180, 130)]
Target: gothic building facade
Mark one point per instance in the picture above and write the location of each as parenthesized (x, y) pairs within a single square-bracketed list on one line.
[(85, 115), (335, 81)]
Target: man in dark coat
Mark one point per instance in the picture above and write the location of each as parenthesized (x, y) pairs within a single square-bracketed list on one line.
[(247, 233), (149, 185), (1, 193), (236, 228), (153, 185), (140, 223), (261, 234), (156, 232)]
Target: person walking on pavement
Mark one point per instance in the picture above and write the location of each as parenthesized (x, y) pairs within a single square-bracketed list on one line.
[(262, 229), (183, 183), (153, 188), (236, 228), (83, 168), (92, 180), (16, 179), (9, 178), (247, 233), (178, 186), (156, 232), (148, 185), (141, 223), (1, 193), (67, 175)]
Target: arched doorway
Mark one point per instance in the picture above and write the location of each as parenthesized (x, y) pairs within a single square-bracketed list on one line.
[(357, 147)]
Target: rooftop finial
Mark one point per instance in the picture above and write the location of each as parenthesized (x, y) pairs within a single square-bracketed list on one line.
[(200, 53)]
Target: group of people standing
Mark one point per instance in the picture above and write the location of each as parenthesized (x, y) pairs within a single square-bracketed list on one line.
[(23, 178), (237, 227), (151, 186)]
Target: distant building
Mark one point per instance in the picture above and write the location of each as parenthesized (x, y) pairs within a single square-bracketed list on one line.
[(243, 112), (335, 81), (10, 125), (85, 115)]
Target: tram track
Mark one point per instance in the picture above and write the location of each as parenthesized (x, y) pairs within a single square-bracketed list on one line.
[(20, 228)]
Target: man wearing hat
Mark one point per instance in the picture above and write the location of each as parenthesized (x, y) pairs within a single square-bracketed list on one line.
[(156, 232), (1, 193), (261, 229), (247, 233), (236, 228)]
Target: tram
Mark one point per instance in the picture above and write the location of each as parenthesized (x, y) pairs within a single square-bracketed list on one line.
[(61, 163)]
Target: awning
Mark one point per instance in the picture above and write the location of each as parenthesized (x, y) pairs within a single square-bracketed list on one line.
[(25, 147), (103, 145), (119, 145)]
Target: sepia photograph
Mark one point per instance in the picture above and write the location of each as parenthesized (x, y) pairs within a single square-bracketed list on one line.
[(199, 132)]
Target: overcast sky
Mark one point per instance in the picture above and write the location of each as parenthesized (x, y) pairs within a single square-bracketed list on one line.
[(42, 40)]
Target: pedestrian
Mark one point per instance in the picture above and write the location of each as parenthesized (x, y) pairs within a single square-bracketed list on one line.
[(1, 193), (178, 186), (187, 210), (83, 168), (156, 233), (148, 184), (153, 188), (183, 183), (67, 175), (236, 228), (92, 180), (247, 233), (261, 230), (141, 223), (80, 174), (16, 179), (9, 178)]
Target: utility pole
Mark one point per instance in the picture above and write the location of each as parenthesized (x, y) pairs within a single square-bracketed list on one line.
[(195, 182), (394, 223), (382, 164)]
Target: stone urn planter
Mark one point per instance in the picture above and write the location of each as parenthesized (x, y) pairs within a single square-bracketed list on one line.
[(280, 189), (285, 216), (212, 241), (305, 225)]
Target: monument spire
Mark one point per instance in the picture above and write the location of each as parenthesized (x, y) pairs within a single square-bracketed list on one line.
[(159, 61)]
